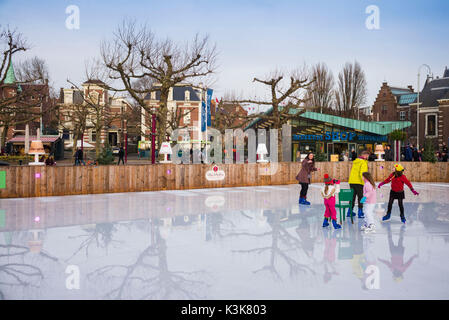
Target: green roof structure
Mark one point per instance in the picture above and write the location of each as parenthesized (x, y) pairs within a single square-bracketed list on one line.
[(379, 128), (10, 75)]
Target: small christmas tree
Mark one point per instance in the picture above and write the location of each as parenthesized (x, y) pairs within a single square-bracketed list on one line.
[(429, 152), (106, 156), (320, 156)]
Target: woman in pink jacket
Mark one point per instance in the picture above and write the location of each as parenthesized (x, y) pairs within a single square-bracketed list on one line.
[(369, 200)]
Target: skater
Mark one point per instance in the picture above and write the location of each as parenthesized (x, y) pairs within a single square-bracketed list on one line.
[(303, 177), (359, 166), (329, 190), (369, 200), (398, 179), (121, 155)]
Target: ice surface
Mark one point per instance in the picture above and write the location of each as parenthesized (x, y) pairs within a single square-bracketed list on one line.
[(229, 243)]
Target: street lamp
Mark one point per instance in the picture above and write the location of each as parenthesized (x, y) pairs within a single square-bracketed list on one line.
[(417, 103)]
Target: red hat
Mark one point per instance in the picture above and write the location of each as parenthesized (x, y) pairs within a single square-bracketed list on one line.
[(327, 179)]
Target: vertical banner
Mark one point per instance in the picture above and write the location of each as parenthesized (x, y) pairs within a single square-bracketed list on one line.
[(209, 99), (203, 116)]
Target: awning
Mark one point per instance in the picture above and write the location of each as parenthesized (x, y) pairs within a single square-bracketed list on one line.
[(44, 139)]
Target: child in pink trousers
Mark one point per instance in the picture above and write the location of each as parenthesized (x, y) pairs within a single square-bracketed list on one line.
[(330, 189)]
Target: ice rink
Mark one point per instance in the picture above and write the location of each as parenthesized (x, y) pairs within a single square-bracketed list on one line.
[(230, 243)]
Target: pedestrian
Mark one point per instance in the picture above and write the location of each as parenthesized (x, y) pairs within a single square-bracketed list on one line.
[(444, 148), (388, 153), (444, 157), (121, 155), (304, 175), (398, 179), (359, 166), (50, 161), (415, 154), (353, 155), (330, 189), (81, 157), (369, 201), (408, 153), (345, 156), (77, 160)]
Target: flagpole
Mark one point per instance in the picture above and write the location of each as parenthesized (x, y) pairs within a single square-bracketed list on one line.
[(205, 125)]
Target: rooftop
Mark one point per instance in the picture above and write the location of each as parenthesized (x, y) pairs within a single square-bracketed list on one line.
[(379, 128)]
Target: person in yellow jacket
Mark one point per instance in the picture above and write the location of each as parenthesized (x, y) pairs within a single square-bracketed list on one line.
[(356, 182)]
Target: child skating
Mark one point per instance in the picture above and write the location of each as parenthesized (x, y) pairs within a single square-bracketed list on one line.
[(369, 201), (398, 179), (330, 189)]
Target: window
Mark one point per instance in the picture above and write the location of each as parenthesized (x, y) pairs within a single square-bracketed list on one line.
[(94, 136), (384, 109), (187, 118), (187, 95), (431, 125), (402, 115)]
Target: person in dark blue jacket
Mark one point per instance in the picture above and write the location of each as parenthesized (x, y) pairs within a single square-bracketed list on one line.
[(408, 153)]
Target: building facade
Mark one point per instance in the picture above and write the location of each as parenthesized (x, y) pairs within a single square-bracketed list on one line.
[(93, 102), (399, 104)]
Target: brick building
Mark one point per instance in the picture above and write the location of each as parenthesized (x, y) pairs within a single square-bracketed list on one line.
[(399, 104), (114, 114), (184, 103), (31, 105)]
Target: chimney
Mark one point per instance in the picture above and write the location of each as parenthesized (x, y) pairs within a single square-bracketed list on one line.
[(411, 88)]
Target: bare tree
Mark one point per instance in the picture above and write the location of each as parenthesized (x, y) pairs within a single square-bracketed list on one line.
[(287, 96), (351, 92), (320, 94), (135, 53), (20, 101)]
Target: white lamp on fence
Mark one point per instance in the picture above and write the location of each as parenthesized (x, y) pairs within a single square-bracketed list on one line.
[(261, 151), (36, 148), (165, 150)]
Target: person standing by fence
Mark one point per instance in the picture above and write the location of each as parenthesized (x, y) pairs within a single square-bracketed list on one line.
[(356, 182), (121, 155), (303, 177)]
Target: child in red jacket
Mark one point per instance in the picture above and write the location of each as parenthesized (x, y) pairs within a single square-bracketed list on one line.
[(398, 179)]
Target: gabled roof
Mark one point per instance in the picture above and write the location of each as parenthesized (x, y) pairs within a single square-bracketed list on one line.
[(433, 91), (179, 93)]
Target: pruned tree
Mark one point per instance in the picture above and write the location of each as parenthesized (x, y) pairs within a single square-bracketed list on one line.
[(285, 102), (320, 94), (351, 92), (135, 53)]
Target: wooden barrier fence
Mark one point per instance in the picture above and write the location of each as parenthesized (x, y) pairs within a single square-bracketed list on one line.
[(30, 181)]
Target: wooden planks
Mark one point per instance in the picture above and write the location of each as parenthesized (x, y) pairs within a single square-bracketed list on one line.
[(28, 181)]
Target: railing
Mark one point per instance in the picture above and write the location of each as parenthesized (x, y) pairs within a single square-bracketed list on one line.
[(30, 181)]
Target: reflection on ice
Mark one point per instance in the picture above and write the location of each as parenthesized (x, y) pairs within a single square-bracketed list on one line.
[(230, 243)]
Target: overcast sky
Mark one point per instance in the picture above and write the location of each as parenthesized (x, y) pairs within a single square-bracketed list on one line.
[(253, 37)]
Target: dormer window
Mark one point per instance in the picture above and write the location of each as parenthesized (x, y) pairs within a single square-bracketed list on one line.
[(187, 95)]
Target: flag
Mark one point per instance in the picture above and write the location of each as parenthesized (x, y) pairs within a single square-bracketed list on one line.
[(209, 100), (203, 116)]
